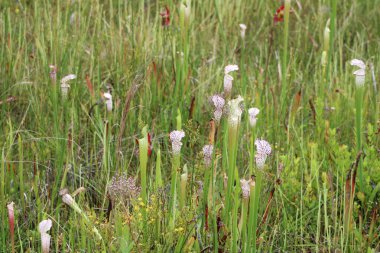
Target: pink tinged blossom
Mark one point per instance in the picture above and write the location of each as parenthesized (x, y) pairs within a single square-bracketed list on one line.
[(176, 137), (227, 83), (253, 112), (11, 219), (108, 101), (207, 154), (45, 243), (230, 68), (359, 73), (228, 78), (43, 228)]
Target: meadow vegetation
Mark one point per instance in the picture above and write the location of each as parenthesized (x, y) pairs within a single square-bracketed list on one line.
[(189, 126)]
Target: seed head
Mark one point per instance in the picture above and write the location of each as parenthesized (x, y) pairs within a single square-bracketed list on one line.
[(122, 188)]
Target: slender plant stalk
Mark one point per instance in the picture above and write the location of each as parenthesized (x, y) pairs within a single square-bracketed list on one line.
[(158, 180), (21, 171), (332, 37), (284, 64), (143, 154), (253, 212), (359, 96), (232, 139)]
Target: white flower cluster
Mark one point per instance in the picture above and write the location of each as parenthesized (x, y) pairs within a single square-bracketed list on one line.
[(263, 150), (207, 154), (176, 137), (218, 102)]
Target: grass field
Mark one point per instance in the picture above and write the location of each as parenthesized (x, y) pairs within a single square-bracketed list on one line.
[(127, 126)]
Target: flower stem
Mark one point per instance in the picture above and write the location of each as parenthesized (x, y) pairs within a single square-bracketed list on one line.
[(232, 139), (253, 213), (358, 125)]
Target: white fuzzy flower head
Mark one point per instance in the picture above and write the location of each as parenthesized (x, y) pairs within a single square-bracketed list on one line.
[(207, 154), (43, 228), (230, 68), (235, 111), (218, 102), (253, 112), (176, 137), (64, 84), (260, 160), (108, 101), (263, 147), (245, 188), (359, 73), (263, 150), (243, 28), (218, 115)]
